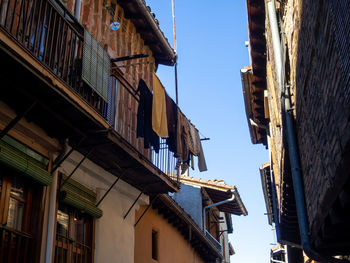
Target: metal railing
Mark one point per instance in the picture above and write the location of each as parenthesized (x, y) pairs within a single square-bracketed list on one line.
[(68, 250), (51, 34), (14, 246), (122, 116)]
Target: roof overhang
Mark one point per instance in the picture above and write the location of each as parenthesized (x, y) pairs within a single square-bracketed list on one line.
[(254, 77), (254, 107), (266, 182), (148, 27)]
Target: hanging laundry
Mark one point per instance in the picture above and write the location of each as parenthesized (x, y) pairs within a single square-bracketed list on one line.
[(171, 113), (144, 118), (195, 147), (159, 116), (202, 165), (182, 137)]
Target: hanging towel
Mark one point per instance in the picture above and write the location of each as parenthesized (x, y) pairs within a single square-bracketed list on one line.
[(159, 120)]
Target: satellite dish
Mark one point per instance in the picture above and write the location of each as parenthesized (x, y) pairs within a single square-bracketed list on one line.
[(115, 26)]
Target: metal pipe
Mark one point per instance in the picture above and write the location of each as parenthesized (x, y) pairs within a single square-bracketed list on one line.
[(276, 261), (14, 121), (77, 9), (215, 204), (292, 146), (75, 169), (145, 211), (133, 204), (276, 41)]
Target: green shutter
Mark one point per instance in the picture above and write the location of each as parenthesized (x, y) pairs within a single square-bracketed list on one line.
[(80, 197), (21, 162)]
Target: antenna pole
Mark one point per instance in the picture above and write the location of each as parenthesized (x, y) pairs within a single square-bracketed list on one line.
[(174, 34)]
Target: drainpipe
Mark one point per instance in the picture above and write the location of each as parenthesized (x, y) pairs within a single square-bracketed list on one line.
[(215, 204), (292, 146), (276, 261)]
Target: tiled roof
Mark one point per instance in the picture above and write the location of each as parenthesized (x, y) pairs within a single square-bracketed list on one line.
[(215, 184)]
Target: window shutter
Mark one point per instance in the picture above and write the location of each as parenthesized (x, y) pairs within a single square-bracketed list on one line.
[(80, 197), (96, 66), (23, 163)]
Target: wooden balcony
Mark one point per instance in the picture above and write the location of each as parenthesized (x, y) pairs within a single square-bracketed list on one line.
[(41, 54)]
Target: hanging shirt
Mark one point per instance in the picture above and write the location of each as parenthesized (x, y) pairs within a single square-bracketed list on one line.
[(171, 114), (202, 165), (144, 118), (159, 119)]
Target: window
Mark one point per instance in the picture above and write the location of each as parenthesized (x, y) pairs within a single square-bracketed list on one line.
[(74, 236), (154, 245), (20, 227)]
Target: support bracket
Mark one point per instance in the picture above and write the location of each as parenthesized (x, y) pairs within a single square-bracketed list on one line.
[(145, 211), (110, 188), (16, 120), (66, 156), (76, 168), (138, 197), (129, 57)]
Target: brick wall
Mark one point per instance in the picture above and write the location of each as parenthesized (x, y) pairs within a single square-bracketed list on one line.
[(317, 34), (123, 42)]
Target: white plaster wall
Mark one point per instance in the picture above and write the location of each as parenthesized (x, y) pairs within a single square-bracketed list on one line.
[(114, 236)]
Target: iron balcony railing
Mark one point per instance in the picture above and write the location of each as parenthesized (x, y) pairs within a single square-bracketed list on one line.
[(52, 35), (15, 246)]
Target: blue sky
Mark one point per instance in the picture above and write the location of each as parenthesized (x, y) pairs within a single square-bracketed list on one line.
[(210, 45)]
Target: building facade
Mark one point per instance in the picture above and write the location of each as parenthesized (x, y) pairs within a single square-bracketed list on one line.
[(170, 229), (296, 101), (210, 203), (73, 167)]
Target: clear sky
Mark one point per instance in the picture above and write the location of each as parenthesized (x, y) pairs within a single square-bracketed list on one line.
[(210, 45)]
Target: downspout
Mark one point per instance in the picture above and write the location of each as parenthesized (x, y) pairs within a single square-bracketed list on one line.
[(292, 146), (77, 9), (215, 204)]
